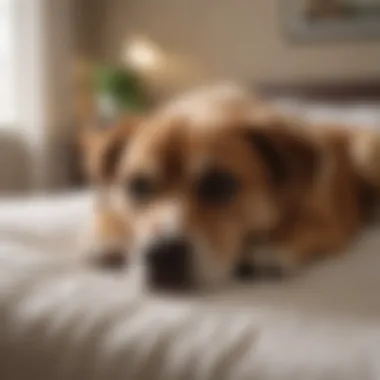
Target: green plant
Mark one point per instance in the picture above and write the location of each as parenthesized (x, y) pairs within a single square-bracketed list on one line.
[(122, 86)]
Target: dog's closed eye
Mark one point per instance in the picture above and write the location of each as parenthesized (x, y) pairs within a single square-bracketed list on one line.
[(217, 187)]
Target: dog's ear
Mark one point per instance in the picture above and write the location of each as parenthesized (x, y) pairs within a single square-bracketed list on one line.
[(102, 148), (290, 157)]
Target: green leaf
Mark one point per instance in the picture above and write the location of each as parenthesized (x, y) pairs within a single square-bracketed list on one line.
[(121, 84)]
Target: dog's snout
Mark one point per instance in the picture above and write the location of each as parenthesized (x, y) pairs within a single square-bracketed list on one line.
[(168, 262)]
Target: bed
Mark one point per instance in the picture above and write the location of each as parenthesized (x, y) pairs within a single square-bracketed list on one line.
[(353, 103), (62, 320)]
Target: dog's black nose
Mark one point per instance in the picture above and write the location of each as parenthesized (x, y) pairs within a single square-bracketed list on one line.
[(168, 262)]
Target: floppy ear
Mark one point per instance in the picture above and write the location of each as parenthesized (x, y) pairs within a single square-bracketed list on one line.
[(290, 157), (102, 149)]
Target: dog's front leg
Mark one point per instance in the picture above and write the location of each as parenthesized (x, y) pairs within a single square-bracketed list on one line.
[(108, 239)]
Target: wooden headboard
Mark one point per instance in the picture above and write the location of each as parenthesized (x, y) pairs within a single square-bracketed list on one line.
[(365, 90)]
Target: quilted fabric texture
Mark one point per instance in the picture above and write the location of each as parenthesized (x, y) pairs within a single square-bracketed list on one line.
[(60, 320)]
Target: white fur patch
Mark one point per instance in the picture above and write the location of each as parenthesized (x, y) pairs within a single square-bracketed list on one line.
[(172, 218)]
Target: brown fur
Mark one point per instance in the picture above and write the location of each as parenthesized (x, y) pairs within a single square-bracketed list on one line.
[(301, 192)]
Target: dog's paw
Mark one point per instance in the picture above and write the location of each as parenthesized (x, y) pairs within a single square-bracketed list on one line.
[(271, 263), (109, 258), (247, 271)]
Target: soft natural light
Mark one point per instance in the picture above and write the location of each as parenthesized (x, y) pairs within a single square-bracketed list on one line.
[(142, 54), (7, 79)]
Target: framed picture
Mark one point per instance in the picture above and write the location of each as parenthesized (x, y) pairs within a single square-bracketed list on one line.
[(308, 20)]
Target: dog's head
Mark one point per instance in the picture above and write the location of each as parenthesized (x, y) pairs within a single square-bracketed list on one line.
[(197, 179)]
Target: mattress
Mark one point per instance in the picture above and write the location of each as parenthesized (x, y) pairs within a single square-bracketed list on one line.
[(62, 320)]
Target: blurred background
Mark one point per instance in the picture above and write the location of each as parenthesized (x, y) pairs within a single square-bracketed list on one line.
[(69, 66)]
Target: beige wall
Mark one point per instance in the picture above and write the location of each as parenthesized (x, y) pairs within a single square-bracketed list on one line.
[(88, 23), (239, 39)]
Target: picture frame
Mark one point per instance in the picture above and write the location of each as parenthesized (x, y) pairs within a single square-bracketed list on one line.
[(328, 20)]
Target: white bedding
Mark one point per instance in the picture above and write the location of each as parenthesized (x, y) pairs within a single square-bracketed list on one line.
[(59, 320), (357, 114)]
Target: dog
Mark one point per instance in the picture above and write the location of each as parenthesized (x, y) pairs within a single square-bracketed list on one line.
[(217, 178)]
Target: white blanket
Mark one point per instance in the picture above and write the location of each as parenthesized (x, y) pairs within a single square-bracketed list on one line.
[(59, 320)]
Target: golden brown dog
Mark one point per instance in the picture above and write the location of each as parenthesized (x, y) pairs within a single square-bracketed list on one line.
[(216, 177)]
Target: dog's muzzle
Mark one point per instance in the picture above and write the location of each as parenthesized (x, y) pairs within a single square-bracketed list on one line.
[(168, 264)]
